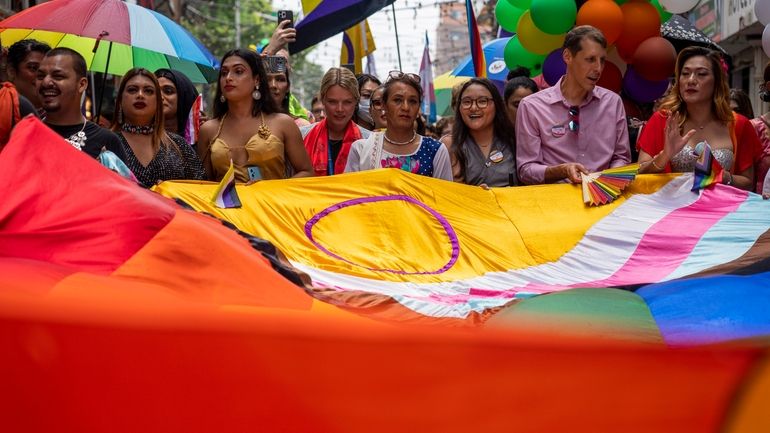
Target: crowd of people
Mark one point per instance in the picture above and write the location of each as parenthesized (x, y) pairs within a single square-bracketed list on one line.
[(523, 135)]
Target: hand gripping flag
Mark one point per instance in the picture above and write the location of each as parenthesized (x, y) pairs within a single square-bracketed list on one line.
[(708, 170)]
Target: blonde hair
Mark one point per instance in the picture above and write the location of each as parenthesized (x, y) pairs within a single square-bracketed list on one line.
[(339, 77)]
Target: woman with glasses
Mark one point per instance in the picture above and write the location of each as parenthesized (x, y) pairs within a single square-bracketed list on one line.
[(328, 141), (697, 113), (367, 84), (248, 130), (280, 87), (152, 153), (399, 146), (483, 147), (377, 110)]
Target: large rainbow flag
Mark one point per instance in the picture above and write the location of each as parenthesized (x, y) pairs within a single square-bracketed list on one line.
[(122, 310)]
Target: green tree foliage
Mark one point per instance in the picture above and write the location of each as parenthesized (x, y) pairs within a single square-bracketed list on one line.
[(213, 23)]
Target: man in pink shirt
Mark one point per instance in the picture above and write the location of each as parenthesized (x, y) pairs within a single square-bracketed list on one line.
[(573, 127)]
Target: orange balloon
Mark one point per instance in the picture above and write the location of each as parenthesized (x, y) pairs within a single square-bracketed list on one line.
[(604, 15), (640, 21), (655, 58), (611, 77)]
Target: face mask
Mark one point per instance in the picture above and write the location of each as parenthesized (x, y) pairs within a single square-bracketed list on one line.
[(363, 110)]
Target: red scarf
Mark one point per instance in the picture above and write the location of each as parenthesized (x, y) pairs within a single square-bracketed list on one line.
[(317, 146)]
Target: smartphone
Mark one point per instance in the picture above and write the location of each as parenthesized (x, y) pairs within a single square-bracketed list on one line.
[(254, 173), (274, 64), (284, 15)]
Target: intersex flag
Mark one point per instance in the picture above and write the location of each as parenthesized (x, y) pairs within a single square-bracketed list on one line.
[(426, 80), (357, 43), (477, 50)]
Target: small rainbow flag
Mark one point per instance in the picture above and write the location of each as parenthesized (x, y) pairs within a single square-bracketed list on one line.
[(708, 170), (477, 51), (192, 126), (605, 186), (226, 196)]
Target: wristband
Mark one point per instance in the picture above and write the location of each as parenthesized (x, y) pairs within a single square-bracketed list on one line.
[(730, 181), (654, 164)]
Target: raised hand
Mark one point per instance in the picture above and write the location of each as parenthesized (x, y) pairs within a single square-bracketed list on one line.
[(674, 141)]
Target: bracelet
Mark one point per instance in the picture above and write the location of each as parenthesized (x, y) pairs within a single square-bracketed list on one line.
[(656, 165), (730, 181)]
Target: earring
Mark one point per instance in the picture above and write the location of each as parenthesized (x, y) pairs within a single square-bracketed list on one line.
[(256, 95), (222, 99)]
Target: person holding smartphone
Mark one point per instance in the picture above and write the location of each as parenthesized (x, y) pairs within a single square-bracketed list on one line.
[(283, 35), (248, 129)]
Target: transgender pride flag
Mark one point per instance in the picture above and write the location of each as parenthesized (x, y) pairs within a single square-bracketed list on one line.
[(426, 80), (226, 196)]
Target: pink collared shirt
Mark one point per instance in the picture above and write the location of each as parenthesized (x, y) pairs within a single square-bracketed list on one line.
[(543, 137)]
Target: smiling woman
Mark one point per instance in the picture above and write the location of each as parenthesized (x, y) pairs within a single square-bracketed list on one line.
[(399, 146), (152, 153)]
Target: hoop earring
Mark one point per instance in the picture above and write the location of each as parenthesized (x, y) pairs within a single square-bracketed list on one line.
[(256, 95), (222, 99)]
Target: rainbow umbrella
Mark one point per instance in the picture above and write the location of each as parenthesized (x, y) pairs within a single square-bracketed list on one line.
[(131, 36)]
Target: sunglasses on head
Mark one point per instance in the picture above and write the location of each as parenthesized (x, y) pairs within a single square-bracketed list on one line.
[(397, 75)]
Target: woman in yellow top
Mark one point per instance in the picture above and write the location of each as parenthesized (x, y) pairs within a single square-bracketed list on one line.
[(248, 128)]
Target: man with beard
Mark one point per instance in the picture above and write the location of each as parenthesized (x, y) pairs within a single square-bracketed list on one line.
[(575, 126), (61, 82)]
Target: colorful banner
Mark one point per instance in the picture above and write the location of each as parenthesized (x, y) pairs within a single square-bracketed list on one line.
[(477, 51), (426, 80), (357, 43)]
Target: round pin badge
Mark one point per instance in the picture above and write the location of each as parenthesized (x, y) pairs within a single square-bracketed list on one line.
[(496, 156)]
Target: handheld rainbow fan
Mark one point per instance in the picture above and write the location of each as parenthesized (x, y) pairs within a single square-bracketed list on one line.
[(605, 186)]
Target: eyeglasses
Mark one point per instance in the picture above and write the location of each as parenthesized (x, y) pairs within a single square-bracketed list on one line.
[(574, 118), (397, 75), (467, 103)]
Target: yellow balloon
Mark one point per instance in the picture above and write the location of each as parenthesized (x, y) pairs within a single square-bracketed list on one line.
[(535, 40)]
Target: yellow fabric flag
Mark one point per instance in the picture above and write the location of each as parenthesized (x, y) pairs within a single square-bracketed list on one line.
[(309, 5), (357, 43)]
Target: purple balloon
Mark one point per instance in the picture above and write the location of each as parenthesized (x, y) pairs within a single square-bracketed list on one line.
[(554, 67), (640, 89)]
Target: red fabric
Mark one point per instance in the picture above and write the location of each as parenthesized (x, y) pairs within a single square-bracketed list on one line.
[(746, 144), (317, 146), (9, 111), (763, 165), (39, 172)]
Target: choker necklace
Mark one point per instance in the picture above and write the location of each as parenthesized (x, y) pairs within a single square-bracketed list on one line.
[(137, 129), (400, 143), (78, 139)]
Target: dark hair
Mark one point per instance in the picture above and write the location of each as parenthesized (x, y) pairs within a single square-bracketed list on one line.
[(78, 62), (720, 105), (21, 49), (316, 98), (365, 78), (186, 95), (501, 126), (264, 104), (159, 135), (403, 79), (518, 77), (573, 40), (766, 74), (744, 103)]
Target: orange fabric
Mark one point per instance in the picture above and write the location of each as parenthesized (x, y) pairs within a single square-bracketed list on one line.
[(317, 146), (746, 145), (154, 362), (227, 271), (9, 111)]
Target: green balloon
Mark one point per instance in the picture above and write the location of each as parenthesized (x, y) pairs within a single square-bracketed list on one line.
[(516, 55), (621, 2), (664, 14), (521, 4), (553, 16), (508, 15)]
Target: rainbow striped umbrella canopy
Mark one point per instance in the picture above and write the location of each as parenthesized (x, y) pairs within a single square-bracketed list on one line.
[(132, 37)]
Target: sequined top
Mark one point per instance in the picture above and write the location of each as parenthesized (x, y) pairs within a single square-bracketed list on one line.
[(684, 161)]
